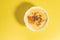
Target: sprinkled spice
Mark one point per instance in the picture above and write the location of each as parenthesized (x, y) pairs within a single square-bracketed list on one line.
[(34, 18)]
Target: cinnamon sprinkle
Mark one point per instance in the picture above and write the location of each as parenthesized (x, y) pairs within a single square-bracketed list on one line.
[(34, 18)]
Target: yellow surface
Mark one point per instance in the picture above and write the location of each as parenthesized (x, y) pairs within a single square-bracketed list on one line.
[(11, 29)]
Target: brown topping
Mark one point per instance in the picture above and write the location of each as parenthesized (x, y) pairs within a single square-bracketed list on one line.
[(39, 15), (40, 19), (38, 24), (34, 13), (31, 20), (34, 18)]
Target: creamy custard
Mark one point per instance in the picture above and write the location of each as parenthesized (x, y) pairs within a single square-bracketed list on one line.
[(36, 18)]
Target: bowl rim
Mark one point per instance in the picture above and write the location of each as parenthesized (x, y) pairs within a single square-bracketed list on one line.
[(25, 18)]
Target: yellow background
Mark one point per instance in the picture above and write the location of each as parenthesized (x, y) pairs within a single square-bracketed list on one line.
[(10, 29)]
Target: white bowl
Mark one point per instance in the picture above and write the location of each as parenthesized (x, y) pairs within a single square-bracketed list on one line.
[(26, 21)]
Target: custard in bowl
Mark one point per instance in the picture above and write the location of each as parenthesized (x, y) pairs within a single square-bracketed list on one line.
[(36, 18)]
